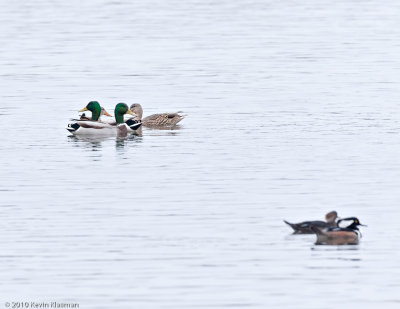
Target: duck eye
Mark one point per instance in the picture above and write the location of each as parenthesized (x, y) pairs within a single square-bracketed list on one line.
[(356, 221)]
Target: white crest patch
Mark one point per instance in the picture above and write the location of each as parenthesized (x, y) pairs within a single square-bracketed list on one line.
[(345, 223)]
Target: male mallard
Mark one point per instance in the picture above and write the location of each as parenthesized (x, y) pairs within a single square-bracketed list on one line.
[(95, 127), (93, 106), (164, 120), (96, 110)]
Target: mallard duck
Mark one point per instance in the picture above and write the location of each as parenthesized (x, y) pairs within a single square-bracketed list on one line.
[(96, 127), (93, 107), (96, 110), (164, 120), (103, 112), (305, 227), (347, 233)]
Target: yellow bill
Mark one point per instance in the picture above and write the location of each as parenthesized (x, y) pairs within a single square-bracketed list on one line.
[(131, 113)]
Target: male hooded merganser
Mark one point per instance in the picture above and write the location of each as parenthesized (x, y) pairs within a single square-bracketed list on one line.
[(347, 235), (305, 227)]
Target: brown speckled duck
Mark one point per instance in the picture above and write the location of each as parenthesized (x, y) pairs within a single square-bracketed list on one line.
[(164, 120), (305, 227)]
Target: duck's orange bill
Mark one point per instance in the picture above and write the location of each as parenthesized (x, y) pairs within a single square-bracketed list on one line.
[(107, 114)]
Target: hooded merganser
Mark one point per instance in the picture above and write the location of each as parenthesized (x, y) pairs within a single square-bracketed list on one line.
[(346, 235), (305, 227)]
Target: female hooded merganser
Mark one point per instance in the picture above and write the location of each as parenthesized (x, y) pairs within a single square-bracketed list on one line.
[(348, 235), (305, 227)]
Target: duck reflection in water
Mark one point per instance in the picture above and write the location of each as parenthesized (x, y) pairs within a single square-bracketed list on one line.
[(121, 142), (93, 142)]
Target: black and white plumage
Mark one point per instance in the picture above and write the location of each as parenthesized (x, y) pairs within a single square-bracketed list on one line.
[(347, 233)]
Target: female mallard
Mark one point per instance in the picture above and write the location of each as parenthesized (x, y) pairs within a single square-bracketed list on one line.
[(95, 127), (165, 120)]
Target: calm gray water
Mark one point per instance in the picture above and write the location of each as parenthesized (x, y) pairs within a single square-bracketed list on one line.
[(293, 112)]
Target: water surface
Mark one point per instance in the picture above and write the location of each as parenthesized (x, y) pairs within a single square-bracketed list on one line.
[(293, 112)]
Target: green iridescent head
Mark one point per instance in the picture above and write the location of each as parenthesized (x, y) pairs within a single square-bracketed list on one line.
[(95, 108), (120, 110)]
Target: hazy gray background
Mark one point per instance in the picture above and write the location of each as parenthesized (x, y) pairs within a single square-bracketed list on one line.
[(293, 112)]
